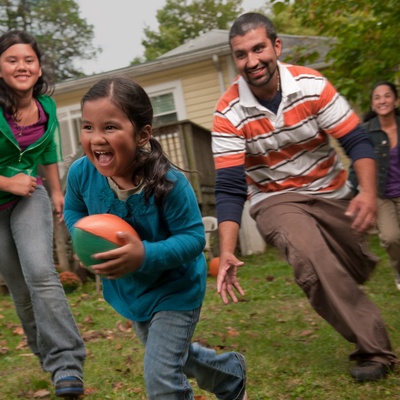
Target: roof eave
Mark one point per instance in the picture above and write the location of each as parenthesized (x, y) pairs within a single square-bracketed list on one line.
[(145, 68)]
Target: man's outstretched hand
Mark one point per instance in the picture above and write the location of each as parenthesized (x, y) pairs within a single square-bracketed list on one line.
[(227, 280)]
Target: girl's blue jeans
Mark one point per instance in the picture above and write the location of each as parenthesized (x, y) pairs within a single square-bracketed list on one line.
[(171, 358), (27, 268)]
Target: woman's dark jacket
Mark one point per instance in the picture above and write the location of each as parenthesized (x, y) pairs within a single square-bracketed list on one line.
[(381, 148)]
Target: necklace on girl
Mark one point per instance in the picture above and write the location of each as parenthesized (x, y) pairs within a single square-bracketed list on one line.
[(26, 120)]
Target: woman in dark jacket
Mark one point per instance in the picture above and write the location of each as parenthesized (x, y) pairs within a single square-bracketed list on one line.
[(382, 122)]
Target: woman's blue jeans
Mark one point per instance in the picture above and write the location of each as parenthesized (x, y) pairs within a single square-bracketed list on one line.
[(171, 358), (27, 268)]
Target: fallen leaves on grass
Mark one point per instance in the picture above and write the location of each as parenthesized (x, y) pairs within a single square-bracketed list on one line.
[(41, 393), (117, 385), (88, 320), (4, 350), (269, 278), (89, 391), (126, 327), (306, 333), (390, 327), (18, 331), (23, 344), (233, 333)]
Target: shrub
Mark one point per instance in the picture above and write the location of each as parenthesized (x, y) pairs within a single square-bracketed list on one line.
[(69, 279)]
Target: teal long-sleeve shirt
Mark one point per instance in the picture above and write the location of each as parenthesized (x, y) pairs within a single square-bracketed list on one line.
[(173, 275)]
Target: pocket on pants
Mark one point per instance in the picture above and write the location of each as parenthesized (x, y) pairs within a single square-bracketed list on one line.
[(303, 272), (361, 271)]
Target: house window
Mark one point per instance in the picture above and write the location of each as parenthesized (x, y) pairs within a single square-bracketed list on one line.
[(168, 102), (70, 119), (164, 108)]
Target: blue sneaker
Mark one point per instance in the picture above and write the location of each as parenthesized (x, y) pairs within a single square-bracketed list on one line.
[(69, 386)]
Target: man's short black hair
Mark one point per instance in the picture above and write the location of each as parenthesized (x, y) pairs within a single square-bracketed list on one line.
[(250, 21)]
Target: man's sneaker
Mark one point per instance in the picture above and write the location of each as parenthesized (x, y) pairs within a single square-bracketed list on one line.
[(369, 371), (69, 386), (398, 281)]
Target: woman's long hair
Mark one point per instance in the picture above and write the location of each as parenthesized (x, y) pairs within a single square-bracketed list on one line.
[(371, 113), (131, 99), (44, 85)]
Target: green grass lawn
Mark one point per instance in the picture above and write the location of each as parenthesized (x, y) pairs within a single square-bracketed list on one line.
[(291, 352)]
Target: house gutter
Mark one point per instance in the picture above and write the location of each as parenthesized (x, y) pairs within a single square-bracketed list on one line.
[(220, 76)]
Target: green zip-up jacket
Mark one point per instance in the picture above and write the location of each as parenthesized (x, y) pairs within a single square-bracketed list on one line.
[(47, 150)]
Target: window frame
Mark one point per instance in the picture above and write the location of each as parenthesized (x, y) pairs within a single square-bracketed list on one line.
[(174, 87)]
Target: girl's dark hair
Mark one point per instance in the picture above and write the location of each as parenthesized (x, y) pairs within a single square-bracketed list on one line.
[(44, 85), (131, 99), (371, 113), (249, 21)]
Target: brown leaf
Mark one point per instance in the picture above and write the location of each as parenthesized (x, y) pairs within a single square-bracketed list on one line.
[(306, 333), (222, 336), (276, 344), (233, 333), (88, 320), (269, 278), (22, 345), (200, 398), (126, 327), (118, 346), (4, 350), (1, 316), (254, 335), (390, 327), (117, 385), (18, 331), (3, 342), (41, 393), (282, 321), (26, 355), (89, 391), (100, 299)]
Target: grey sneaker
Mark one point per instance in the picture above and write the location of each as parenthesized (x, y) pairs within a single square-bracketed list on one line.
[(398, 281), (369, 371)]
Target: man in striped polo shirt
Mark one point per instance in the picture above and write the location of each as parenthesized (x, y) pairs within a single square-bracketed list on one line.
[(271, 144)]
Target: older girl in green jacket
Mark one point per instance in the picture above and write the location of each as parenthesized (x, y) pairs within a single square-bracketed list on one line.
[(28, 137)]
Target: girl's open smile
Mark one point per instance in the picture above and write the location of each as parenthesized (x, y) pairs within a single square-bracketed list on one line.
[(110, 141)]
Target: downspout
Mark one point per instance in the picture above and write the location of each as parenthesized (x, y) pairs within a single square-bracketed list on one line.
[(220, 76)]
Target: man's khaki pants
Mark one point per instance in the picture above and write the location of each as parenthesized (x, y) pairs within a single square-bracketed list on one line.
[(329, 260)]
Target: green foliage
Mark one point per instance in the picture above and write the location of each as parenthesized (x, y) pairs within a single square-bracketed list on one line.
[(367, 41), (59, 30), (180, 21), (285, 21)]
